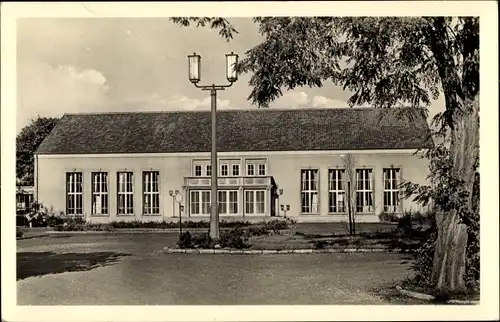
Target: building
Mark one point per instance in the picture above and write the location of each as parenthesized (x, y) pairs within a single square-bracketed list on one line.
[(24, 199), (122, 166)]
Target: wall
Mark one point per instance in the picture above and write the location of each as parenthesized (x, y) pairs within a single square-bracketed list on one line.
[(52, 177), (286, 171), (283, 166)]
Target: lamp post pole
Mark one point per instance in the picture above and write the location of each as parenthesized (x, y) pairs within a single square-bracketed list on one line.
[(214, 214), (194, 64)]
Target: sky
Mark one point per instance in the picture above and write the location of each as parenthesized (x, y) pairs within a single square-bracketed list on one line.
[(74, 65)]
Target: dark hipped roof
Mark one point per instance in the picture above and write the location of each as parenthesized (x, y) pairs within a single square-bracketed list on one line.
[(239, 130)]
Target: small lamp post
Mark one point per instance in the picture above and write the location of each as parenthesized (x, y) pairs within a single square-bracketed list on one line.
[(280, 193), (178, 198), (173, 194), (194, 67), (285, 208)]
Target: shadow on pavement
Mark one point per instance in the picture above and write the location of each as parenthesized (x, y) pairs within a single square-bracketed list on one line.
[(43, 263)]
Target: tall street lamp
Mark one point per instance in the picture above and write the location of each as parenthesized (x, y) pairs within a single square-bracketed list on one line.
[(194, 65)]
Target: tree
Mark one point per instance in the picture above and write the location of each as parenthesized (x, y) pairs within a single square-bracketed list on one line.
[(350, 191), (27, 142), (386, 62)]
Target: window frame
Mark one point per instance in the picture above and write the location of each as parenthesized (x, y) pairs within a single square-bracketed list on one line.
[(198, 170), (128, 195), (200, 202), (224, 168), (103, 185), (254, 203), (237, 167), (334, 190), (393, 178), (154, 195), (306, 189), (367, 194), (73, 191)]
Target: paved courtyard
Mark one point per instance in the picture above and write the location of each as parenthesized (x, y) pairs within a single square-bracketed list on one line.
[(131, 269)]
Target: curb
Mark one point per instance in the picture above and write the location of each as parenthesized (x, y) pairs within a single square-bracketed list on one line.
[(31, 237), (427, 297), (136, 231), (169, 250), (118, 231)]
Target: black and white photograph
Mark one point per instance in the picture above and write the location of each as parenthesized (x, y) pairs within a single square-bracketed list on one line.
[(256, 154)]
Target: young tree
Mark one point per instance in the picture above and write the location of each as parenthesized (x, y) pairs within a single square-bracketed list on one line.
[(386, 62), (27, 141), (350, 191)]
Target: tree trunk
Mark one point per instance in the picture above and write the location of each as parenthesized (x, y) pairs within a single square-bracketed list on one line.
[(450, 253)]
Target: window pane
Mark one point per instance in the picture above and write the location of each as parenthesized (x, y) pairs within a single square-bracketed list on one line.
[(233, 202), (249, 202)]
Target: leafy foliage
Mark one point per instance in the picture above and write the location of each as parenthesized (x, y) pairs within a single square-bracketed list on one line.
[(234, 238), (446, 193), (226, 30), (27, 142), (384, 61)]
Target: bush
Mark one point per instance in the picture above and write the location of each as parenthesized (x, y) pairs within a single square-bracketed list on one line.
[(233, 239), (203, 241), (185, 240), (388, 217), (320, 244), (276, 225), (257, 231)]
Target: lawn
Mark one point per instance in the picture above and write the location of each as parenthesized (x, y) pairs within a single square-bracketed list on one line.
[(128, 269)]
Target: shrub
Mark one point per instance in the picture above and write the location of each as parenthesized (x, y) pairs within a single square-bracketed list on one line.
[(185, 240), (276, 225), (233, 239), (320, 244), (388, 217), (234, 224), (423, 259), (257, 231), (203, 241)]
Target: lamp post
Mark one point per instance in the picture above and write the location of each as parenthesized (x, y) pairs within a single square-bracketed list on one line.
[(285, 208), (173, 194), (178, 198), (194, 65)]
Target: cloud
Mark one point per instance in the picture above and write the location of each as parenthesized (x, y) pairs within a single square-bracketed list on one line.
[(157, 102), (302, 100), (47, 90)]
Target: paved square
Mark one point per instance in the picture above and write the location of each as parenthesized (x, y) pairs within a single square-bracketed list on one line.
[(131, 269)]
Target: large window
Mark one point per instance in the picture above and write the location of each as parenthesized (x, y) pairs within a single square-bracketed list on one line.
[(200, 202), (125, 193), (364, 191), (100, 200), (228, 202), (309, 191), (255, 203), (151, 192), (391, 190), (74, 193), (336, 191)]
